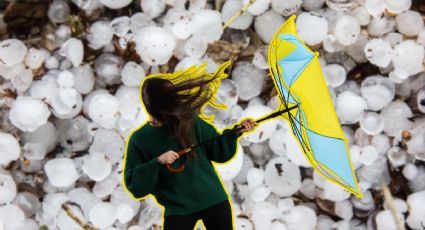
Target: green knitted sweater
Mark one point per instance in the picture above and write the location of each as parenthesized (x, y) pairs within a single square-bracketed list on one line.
[(197, 187)]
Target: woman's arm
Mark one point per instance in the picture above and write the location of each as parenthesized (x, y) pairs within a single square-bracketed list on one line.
[(221, 149), (140, 173)]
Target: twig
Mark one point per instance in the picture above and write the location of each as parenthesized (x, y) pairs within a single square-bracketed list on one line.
[(244, 8), (76, 219), (390, 201)]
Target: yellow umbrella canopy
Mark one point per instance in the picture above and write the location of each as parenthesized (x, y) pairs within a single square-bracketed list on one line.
[(299, 80)]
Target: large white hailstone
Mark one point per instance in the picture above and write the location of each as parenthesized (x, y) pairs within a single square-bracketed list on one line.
[(8, 187), (331, 44), (140, 20), (108, 67), (335, 75), (265, 130), (282, 176), (398, 75), (286, 7), (45, 134), (181, 29), (195, 47), (260, 57), (99, 34), (230, 8), (266, 24), (132, 74), (333, 192), (397, 6), (260, 193), (379, 26), (408, 55), (263, 213), (349, 107), (249, 80), (378, 52), (97, 166), (375, 7), (153, 8), (207, 24), (416, 202), (368, 155), (410, 171), (61, 172), (381, 143), (312, 28), (84, 78), (108, 142), (12, 52), (28, 114), (227, 92), (187, 62), (73, 49), (243, 223), (346, 30), (66, 102), (362, 15), (395, 117), (397, 156), (416, 145), (36, 57), (66, 79), (258, 7), (277, 143), (294, 151), (409, 23), (58, 11), (378, 91), (344, 209), (155, 45), (393, 38), (11, 72), (385, 220), (103, 110), (22, 80), (372, 123), (230, 169), (120, 25), (10, 148), (254, 177), (300, 217), (102, 215), (115, 4), (34, 151), (150, 215), (11, 216)]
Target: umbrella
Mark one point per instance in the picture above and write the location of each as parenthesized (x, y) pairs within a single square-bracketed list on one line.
[(296, 72)]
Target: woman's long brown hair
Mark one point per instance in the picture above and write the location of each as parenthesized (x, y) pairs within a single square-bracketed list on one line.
[(177, 99)]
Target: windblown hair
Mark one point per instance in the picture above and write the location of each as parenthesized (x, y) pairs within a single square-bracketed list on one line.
[(176, 99)]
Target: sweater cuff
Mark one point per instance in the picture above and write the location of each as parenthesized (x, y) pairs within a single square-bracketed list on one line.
[(154, 161)]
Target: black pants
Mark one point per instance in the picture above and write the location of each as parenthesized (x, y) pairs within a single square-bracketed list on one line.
[(216, 217)]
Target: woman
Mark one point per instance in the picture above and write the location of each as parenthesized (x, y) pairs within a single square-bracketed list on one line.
[(174, 124)]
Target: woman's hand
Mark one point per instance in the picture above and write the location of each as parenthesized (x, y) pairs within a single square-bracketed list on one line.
[(248, 125), (168, 157)]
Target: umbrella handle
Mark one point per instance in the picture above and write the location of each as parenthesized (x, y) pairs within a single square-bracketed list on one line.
[(181, 167)]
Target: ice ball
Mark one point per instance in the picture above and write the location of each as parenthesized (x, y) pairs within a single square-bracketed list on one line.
[(155, 45), (28, 113)]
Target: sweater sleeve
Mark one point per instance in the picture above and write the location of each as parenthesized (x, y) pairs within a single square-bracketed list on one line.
[(140, 173), (221, 149)]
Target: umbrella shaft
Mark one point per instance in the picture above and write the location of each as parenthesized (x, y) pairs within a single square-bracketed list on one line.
[(275, 114)]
